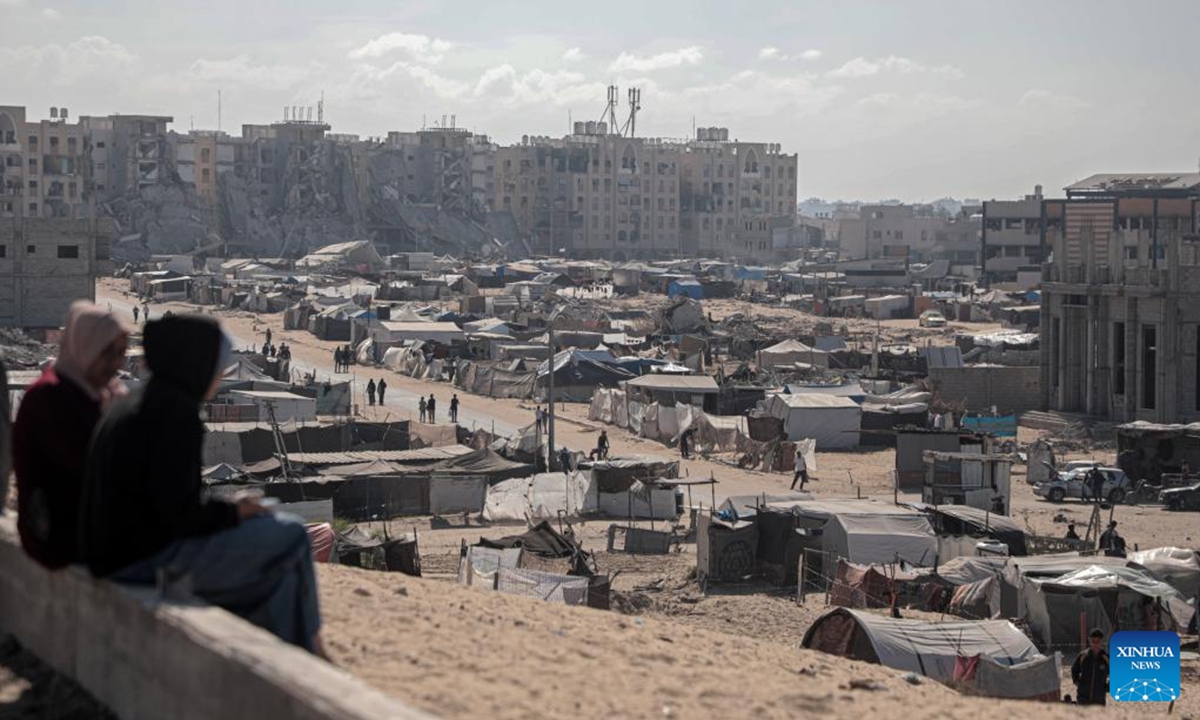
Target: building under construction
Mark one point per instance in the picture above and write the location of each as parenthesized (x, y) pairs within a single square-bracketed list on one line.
[(1121, 298)]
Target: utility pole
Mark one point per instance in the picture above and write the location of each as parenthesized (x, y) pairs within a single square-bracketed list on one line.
[(550, 418)]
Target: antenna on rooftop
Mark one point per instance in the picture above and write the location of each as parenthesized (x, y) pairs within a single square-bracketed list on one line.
[(321, 108), (635, 104)]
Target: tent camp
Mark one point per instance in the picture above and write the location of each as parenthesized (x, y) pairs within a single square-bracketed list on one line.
[(867, 539), (925, 648), (790, 352), (834, 422), (1177, 567)]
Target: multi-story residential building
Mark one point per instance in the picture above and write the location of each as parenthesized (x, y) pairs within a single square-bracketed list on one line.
[(1012, 237), (899, 231), (51, 246), (595, 194), (1121, 298), (202, 155)]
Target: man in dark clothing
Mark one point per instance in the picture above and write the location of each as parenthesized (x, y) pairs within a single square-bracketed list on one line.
[(1095, 483), (337, 359), (381, 387), (1090, 672), (370, 392), (564, 459), (1071, 534), (454, 408), (431, 408), (602, 446), (1111, 541), (268, 336), (685, 443)]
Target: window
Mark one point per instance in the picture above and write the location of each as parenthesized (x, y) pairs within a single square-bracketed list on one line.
[(899, 234), (877, 235), (32, 211), (3, 251), (1118, 360), (1149, 367), (31, 249), (33, 184), (204, 174), (33, 142), (204, 154), (1012, 251), (33, 164), (100, 144), (68, 252)]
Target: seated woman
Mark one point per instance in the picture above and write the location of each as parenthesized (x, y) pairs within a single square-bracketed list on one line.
[(144, 514), (54, 425)]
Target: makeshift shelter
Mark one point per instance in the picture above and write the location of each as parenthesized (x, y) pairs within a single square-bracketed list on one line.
[(668, 390), (834, 422), (975, 480), (1177, 567), (577, 374), (1107, 597), (957, 520), (867, 539), (789, 352), (725, 549), (925, 648), (690, 288)]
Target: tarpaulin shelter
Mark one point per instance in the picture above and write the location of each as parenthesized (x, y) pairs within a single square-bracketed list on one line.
[(1038, 679), (725, 550), (578, 373), (1177, 567), (790, 352), (966, 520), (834, 422), (926, 648), (1106, 597), (867, 539), (865, 586)]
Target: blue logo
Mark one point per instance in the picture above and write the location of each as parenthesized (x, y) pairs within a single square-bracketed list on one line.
[(1143, 666)]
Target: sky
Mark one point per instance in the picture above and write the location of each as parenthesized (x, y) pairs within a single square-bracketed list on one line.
[(914, 100)]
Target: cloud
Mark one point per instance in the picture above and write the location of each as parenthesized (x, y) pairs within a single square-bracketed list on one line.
[(811, 54), (862, 67), (87, 58), (1052, 102), (769, 53), (245, 71), (12, 3), (561, 88), (768, 95), (573, 55), (51, 14), (627, 62), (420, 48)]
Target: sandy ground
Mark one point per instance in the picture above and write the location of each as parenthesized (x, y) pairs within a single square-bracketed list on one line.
[(29, 689), (523, 659)]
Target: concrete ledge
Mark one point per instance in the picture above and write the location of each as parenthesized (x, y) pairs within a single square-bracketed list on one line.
[(145, 658)]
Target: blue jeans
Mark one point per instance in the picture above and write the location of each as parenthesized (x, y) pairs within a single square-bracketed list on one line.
[(261, 570)]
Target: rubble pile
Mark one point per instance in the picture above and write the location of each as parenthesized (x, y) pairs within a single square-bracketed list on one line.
[(18, 351)]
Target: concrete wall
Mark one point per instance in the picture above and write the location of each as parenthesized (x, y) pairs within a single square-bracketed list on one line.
[(1010, 389), (145, 658)]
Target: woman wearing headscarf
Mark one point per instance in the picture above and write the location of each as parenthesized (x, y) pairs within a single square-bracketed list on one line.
[(53, 427), (145, 517)]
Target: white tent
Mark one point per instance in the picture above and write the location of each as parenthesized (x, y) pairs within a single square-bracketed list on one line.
[(834, 422), (870, 539), (790, 352)]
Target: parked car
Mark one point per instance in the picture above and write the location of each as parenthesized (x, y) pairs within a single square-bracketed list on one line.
[(1181, 498), (932, 318), (1073, 484)]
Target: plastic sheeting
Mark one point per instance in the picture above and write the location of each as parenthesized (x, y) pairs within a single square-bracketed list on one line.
[(454, 495), (925, 648), (540, 497), (1178, 567), (832, 421), (1039, 679), (868, 539), (478, 566)]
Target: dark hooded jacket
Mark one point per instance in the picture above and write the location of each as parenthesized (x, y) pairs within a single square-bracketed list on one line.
[(142, 489)]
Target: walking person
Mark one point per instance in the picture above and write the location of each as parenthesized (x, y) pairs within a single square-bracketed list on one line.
[(421, 406), (564, 459), (1090, 672), (685, 443), (602, 446), (801, 468), (144, 515), (370, 392), (54, 426), (381, 387), (454, 408), (136, 312), (146, 310), (539, 419), (431, 407), (268, 336), (337, 360)]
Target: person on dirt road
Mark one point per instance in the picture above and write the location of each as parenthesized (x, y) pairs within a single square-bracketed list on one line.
[(801, 469), (1090, 672), (380, 388), (431, 407), (454, 408), (602, 446), (421, 407), (370, 392)]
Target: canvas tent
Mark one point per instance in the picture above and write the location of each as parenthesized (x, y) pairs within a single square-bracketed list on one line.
[(1178, 567), (925, 648), (867, 539), (790, 352), (834, 422)]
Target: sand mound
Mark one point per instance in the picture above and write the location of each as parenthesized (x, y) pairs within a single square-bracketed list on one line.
[(465, 654)]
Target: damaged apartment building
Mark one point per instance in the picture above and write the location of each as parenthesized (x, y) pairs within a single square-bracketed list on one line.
[(51, 245), (602, 194), (1121, 298)]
